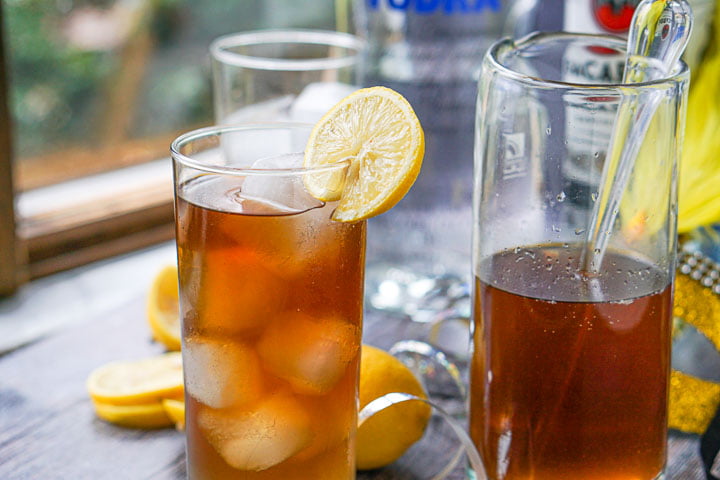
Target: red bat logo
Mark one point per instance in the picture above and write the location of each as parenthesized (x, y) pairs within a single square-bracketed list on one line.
[(614, 15)]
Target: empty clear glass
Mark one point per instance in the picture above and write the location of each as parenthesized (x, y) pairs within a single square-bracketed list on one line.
[(283, 75)]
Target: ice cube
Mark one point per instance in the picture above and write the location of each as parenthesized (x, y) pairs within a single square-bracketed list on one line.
[(237, 293), (317, 98), (242, 147), (288, 160), (287, 192), (273, 110), (258, 439), (221, 374), (311, 354), (332, 417)]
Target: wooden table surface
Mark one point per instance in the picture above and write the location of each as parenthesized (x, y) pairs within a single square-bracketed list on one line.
[(48, 429)]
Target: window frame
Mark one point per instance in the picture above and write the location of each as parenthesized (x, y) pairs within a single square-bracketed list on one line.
[(61, 238), (10, 259)]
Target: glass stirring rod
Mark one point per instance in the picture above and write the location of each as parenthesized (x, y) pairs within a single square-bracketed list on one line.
[(658, 36)]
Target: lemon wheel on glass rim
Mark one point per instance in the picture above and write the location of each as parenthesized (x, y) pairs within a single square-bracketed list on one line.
[(378, 131)]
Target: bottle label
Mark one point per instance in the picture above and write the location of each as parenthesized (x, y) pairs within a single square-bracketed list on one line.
[(448, 7), (589, 121), (599, 16)]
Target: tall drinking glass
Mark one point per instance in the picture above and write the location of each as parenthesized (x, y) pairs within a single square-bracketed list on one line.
[(571, 359), (271, 295), (281, 75)]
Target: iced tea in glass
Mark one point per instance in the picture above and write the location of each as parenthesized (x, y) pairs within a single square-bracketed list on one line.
[(271, 307), (570, 363)]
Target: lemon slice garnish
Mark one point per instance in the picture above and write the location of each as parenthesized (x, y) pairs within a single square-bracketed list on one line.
[(162, 308), (378, 129), (138, 382), (151, 415)]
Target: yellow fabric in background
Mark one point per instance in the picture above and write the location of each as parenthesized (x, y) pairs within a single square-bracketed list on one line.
[(699, 182), (693, 401)]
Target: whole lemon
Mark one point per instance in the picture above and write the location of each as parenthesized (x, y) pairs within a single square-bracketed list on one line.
[(384, 437)]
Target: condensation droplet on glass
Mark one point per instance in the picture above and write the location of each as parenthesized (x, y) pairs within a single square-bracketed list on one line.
[(556, 229), (594, 196), (548, 130), (596, 154), (579, 231), (561, 197)]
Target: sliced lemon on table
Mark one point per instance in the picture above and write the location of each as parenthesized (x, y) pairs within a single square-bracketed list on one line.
[(378, 130), (151, 415), (162, 308), (175, 409), (388, 434), (140, 382)]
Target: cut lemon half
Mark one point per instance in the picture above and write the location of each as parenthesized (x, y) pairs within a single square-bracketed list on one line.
[(139, 382), (384, 437), (378, 130), (175, 409), (162, 308), (151, 415)]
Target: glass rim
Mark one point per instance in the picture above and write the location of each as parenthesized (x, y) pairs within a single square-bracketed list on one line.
[(679, 73), (220, 130), (219, 49)]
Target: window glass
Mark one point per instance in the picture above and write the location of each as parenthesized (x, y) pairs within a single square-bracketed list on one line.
[(96, 84)]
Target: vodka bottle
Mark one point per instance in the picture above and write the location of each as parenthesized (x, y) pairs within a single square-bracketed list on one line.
[(430, 51)]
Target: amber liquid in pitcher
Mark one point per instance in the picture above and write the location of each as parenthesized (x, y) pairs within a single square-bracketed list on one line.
[(570, 372)]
